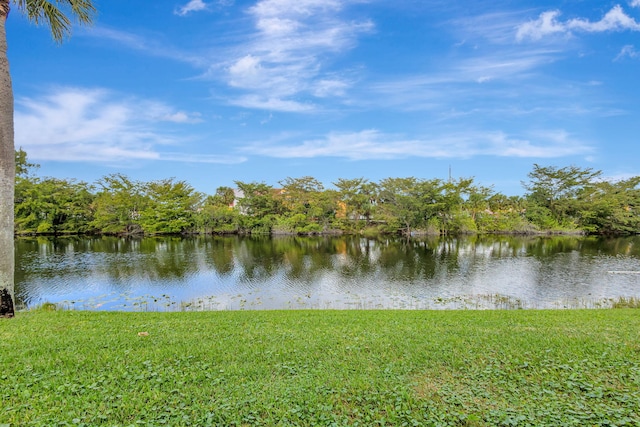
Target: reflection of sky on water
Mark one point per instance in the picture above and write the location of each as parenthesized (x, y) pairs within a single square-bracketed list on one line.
[(339, 273)]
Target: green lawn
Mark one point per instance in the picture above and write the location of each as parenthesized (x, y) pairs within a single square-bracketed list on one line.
[(413, 368)]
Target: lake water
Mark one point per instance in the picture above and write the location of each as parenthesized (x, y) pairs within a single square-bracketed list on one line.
[(252, 273)]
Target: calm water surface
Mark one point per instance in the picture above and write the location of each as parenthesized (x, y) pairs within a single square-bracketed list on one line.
[(232, 273)]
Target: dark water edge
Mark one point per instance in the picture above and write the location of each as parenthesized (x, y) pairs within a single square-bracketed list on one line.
[(173, 273)]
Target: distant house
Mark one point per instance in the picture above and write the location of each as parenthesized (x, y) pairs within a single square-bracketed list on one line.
[(237, 195)]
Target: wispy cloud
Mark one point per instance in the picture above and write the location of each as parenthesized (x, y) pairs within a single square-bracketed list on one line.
[(78, 124), (486, 66), (489, 76), (272, 104), (373, 144), (192, 6), (470, 82), (627, 51), (494, 27), (505, 65), (548, 23), (148, 45), (201, 5), (284, 60)]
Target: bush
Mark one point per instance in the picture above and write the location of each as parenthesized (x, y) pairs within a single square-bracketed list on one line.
[(462, 223)]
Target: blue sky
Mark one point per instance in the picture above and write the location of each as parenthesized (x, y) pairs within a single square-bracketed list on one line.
[(214, 91)]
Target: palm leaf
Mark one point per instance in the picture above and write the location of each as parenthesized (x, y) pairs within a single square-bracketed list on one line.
[(52, 13)]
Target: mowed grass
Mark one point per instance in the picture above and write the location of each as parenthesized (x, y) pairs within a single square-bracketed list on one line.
[(327, 368)]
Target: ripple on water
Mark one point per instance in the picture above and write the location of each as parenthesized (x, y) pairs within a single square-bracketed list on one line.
[(363, 275)]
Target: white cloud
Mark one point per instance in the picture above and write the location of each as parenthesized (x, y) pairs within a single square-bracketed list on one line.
[(285, 57), (268, 8), (615, 20), (272, 104), (182, 117), (373, 144), (192, 6), (330, 87), (245, 72), (634, 3), (283, 62), (76, 124), (547, 24), (627, 51)]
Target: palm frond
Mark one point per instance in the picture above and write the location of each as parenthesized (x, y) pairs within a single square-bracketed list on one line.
[(52, 13), (83, 10)]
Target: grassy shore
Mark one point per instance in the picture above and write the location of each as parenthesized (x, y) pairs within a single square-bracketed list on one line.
[(272, 368)]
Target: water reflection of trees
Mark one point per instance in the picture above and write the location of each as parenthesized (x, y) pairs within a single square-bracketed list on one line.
[(219, 253), (126, 262), (121, 260), (294, 257)]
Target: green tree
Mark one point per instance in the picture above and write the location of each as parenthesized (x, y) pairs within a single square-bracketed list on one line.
[(55, 16), (324, 205), (23, 167), (612, 207), (504, 214), (499, 202), (225, 196), (171, 207), (399, 206), (461, 200), (476, 199), (435, 205), (554, 194), (217, 214), (215, 218), (118, 205), (298, 194), (24, 181), (309, 208), (359, 198), (258, 205), (52, 206), (24, 188)]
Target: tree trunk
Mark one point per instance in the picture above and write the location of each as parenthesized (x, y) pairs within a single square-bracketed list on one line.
[(7, 174)]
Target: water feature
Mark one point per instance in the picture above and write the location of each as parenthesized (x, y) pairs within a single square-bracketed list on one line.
[(290, 272)]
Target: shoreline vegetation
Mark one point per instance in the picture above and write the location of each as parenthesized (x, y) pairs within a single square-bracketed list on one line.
[(478, 302), (567, 200), (325, 368)]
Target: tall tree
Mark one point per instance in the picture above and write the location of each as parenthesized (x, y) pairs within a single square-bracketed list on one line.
[(298, 194), (118, 205), (556, 192), (52, 206), (55, 14), (400, 207), (258, 205), (612, 207), (359, 197), (172, 207)]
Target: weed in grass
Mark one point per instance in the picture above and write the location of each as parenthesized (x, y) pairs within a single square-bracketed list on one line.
[(622, 302), (47, 306)]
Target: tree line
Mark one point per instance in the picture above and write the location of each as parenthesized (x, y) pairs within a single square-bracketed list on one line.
[(568, 199)]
